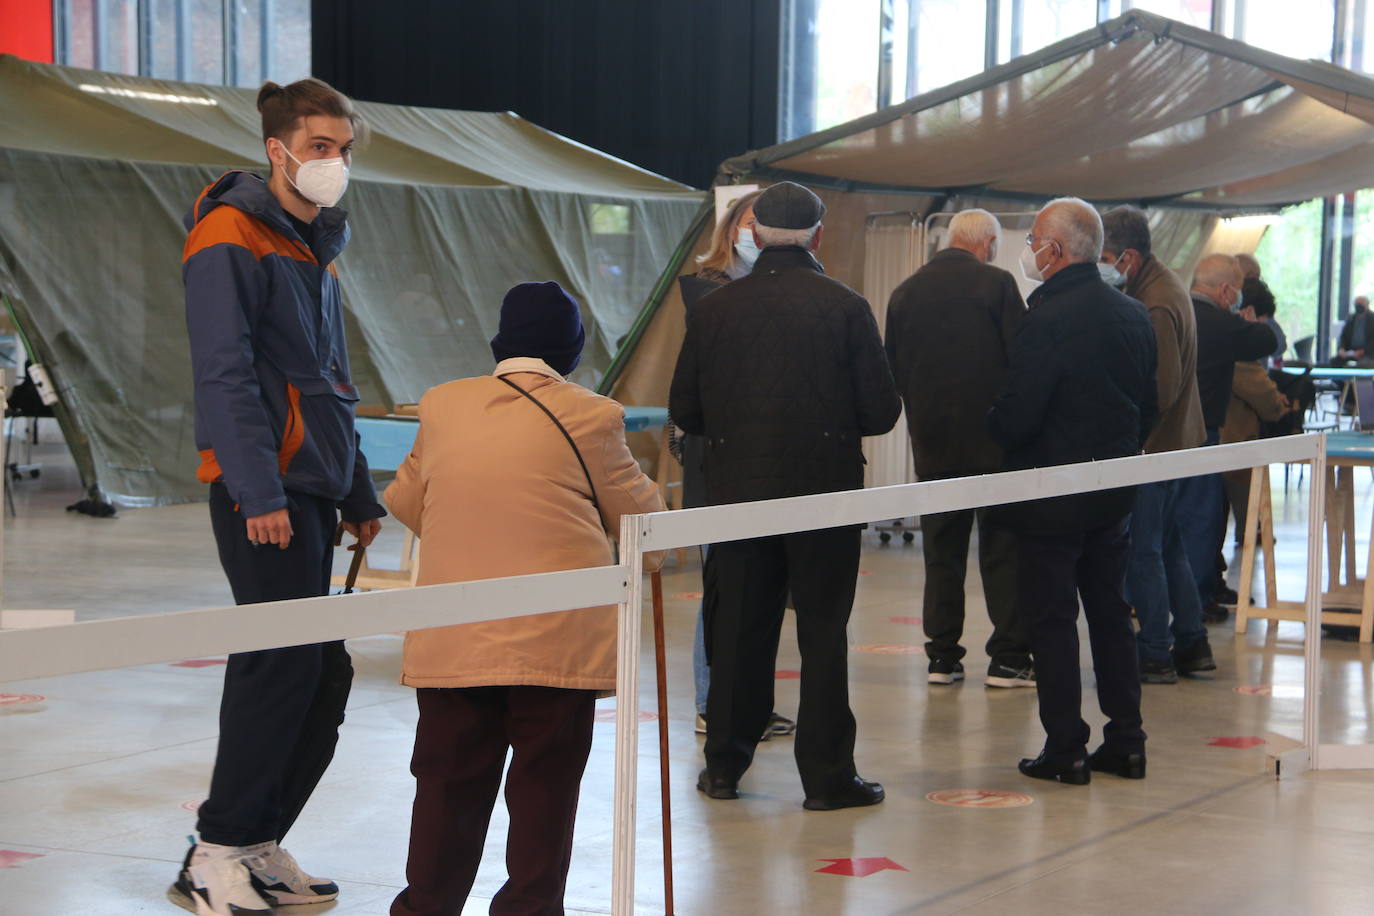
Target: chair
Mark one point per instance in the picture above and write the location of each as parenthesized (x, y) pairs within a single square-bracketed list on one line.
[(1303, 347), (372, 579)]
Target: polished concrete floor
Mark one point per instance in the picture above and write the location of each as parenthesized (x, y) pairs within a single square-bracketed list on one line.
[(99, 773)]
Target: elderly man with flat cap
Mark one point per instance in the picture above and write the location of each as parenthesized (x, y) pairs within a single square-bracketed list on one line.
[(783, 372)]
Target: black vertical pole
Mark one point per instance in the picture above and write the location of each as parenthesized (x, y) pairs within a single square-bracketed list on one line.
[(1018, 10), (266, 33), (990, 36), (183, 27), (885, 36), (1327, 268)]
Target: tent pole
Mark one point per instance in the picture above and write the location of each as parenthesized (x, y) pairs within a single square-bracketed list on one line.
[(660, 290)]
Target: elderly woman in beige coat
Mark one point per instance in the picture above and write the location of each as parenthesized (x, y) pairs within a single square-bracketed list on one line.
[(494, 487)]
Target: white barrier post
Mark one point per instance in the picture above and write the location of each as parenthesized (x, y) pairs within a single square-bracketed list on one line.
[(1312, 646), (627, 718)]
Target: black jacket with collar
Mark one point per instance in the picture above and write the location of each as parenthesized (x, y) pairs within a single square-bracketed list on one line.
[(1223, 337), (949, 330), (1080, 387), (783, 372)]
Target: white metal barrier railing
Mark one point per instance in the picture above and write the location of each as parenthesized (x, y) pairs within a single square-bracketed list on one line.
[(123, 642)]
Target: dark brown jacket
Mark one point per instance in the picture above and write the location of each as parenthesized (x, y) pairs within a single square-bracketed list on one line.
[(1171, 313), (949, 330)]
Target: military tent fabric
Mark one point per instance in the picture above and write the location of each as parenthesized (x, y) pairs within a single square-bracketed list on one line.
[(448, 210)]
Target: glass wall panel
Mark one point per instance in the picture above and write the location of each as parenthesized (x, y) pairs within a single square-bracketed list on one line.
[(289, 36), (950, 41), (1193, 12), (119, 36), (205, 58), (248, 16), (1275, 26), (1290, 256), (1024, 26), (846, 60), (166, 60), (80, 37)]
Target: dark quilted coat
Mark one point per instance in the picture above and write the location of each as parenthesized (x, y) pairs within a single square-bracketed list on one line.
[(783, 372), (1080, 387)]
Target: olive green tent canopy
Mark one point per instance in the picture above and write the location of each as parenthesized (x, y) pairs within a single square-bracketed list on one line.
[(448, 210)]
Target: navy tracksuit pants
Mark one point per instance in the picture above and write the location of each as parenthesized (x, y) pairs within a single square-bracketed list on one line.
[(281, 708)]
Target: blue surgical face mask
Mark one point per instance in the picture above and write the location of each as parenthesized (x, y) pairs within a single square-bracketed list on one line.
[(745, 247), (1112, 274), (1240, 302)]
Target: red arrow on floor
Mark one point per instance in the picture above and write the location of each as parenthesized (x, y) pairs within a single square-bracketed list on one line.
[(858, 868), (10, 858)]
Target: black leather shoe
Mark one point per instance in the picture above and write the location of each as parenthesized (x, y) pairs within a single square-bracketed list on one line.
[(855, 795), (716, 785), (1197, 657), (1127, 766), (1214, 613), (1073, 772)]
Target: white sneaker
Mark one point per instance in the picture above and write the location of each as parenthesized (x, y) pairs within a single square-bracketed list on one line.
[(278, 878), (215, 882)]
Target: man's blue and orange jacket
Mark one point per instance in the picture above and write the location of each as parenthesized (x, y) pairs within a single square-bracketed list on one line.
[(274, 399)]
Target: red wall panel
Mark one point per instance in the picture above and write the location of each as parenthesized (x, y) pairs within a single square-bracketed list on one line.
[(26, 29)]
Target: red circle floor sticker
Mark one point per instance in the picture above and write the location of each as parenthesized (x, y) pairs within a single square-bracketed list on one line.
[(690, 596), (979, 798), (19, 699), (889, 649), (785, 675), (193, 805)]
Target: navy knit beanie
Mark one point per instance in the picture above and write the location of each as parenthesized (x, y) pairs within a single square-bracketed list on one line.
[(542, 321)]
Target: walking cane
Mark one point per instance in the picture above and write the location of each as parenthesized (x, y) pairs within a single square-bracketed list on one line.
[(660, 663)]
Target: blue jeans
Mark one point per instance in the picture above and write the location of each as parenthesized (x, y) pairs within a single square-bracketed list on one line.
[(1198, 512), (701, 672), (1159, 579)]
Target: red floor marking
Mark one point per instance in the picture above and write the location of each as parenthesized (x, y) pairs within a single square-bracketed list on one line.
[(786, 675), (690, 596), (10, 858), (193, 805), (199, 663), (1255, 690), (19, 699), (889, 649), (608, 715), (858, 868), (865, 572), (1240, 742), (913, 621), (979, 798)]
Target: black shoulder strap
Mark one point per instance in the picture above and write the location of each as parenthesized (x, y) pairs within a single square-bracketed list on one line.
[(566, 435)]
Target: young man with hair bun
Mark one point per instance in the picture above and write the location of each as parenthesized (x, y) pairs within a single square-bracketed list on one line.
[(274, 425)]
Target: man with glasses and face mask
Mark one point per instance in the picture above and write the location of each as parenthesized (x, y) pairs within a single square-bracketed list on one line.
[(274, 425), (1159, 581), (1226, 332), (1080, 387)]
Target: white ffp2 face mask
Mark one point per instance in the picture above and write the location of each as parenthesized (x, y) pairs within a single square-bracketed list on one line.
[(1029, 267), (320, 181)]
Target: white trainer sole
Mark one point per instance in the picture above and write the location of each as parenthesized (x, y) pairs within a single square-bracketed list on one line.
[(1009, 682), (943, 678)]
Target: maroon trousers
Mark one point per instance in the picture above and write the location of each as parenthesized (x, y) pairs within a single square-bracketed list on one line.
[(460, 752)]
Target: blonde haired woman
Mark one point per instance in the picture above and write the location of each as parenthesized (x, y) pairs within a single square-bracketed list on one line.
[(732, 252)]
